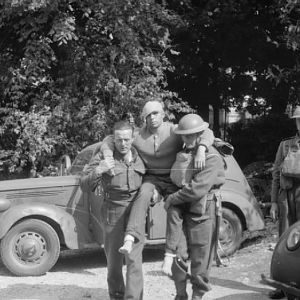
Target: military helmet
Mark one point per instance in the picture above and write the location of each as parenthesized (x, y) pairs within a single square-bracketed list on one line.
[(296, 113), (190, 124)]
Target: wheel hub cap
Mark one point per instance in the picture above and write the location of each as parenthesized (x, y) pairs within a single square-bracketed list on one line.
[(226, 232), (30, 247)]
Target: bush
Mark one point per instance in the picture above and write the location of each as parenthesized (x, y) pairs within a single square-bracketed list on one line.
[(258, 139)]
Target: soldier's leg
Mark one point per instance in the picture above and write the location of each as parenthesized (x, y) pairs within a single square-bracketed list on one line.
[(180, 269), (202, 243), (283, 209), (134, 274), (113, 230)]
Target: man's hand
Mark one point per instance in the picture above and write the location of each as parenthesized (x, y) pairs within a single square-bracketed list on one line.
[(199, 161), (168, 202), (274, 211), (105, 165)]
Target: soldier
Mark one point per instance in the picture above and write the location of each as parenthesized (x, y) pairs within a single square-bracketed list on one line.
[(285, 194), (193, 210), (120, 191)]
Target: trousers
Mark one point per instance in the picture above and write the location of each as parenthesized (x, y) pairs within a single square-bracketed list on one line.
[(200, 233), (289, 207), (137, 218), (115, 219)]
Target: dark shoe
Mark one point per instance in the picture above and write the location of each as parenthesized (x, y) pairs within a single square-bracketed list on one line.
[(185, 297), (276, 294), (116, 296), (197, 295)]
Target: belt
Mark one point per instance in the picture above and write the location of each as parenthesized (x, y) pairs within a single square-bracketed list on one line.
[(119, 196), (158, 175)]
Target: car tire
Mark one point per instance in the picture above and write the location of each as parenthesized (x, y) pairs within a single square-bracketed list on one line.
[(30, 248), (231, 233)]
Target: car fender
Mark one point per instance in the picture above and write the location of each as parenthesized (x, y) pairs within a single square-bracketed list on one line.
[(250, 210), (55, 213)]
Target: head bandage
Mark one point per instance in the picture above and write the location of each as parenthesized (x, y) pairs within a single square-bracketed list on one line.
[(150, 107)]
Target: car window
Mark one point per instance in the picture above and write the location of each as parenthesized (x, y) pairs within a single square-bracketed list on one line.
[(81, 160)]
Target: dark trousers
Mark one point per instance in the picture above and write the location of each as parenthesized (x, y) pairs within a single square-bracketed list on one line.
[(175, 235), (289, 207), (201, 241), (115, 218), (137, 218)]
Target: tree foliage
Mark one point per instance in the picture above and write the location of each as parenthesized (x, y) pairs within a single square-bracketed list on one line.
[(231, 49), (71, 68)]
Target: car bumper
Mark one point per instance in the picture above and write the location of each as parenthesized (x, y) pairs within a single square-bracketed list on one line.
[(282, 286)]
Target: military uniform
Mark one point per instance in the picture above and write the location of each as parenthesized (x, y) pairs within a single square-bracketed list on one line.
[(286, 190), (158, 152), (193, 214), (120, 191)]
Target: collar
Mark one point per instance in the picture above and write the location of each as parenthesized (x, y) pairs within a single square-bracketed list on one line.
[(119, 157), (159, 129)]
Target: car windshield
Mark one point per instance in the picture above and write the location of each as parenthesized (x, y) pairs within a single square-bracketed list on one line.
[(81, 160)]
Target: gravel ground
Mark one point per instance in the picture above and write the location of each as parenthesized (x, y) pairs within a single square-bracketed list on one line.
[(83, 276)]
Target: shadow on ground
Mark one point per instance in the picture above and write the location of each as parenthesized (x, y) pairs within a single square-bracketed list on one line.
[(237, 285), (49, 292)]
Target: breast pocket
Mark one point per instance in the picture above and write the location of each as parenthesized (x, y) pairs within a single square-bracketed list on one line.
[(136, 178), (119, 179)]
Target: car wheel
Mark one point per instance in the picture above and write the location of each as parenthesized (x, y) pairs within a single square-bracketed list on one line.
[(30, 248), (231, 233)]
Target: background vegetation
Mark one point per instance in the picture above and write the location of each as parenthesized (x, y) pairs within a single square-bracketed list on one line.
[(70, 68)]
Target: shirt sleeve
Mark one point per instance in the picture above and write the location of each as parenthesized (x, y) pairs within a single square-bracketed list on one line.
[(276, 173), (202, 182), (207, 138)]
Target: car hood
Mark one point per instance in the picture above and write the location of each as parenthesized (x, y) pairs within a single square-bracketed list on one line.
[(29, 183)]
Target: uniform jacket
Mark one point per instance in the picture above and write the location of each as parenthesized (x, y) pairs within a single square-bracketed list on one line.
[(279, 181), (125, 182), (158, 151), (202, 183)]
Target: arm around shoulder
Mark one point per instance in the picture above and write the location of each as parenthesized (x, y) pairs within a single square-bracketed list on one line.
[(92, 176), (207, 138)]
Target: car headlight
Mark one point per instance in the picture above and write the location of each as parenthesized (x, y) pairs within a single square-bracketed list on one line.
[(293, 240)]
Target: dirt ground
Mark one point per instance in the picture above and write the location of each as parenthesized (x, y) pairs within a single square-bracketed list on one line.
[(83, 276)]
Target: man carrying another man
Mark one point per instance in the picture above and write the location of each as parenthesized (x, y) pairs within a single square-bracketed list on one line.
[(193, 211), (120, 191), (157, 145)]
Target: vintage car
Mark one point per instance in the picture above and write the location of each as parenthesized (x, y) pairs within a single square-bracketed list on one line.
[(285, 264), (41, 216)]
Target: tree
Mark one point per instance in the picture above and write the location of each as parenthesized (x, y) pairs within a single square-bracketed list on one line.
[(76, 66), (229, 50)]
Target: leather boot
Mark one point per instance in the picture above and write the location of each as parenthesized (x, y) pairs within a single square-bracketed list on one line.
[(178, 297), (276, 294), (197, 295), (181, 293)]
